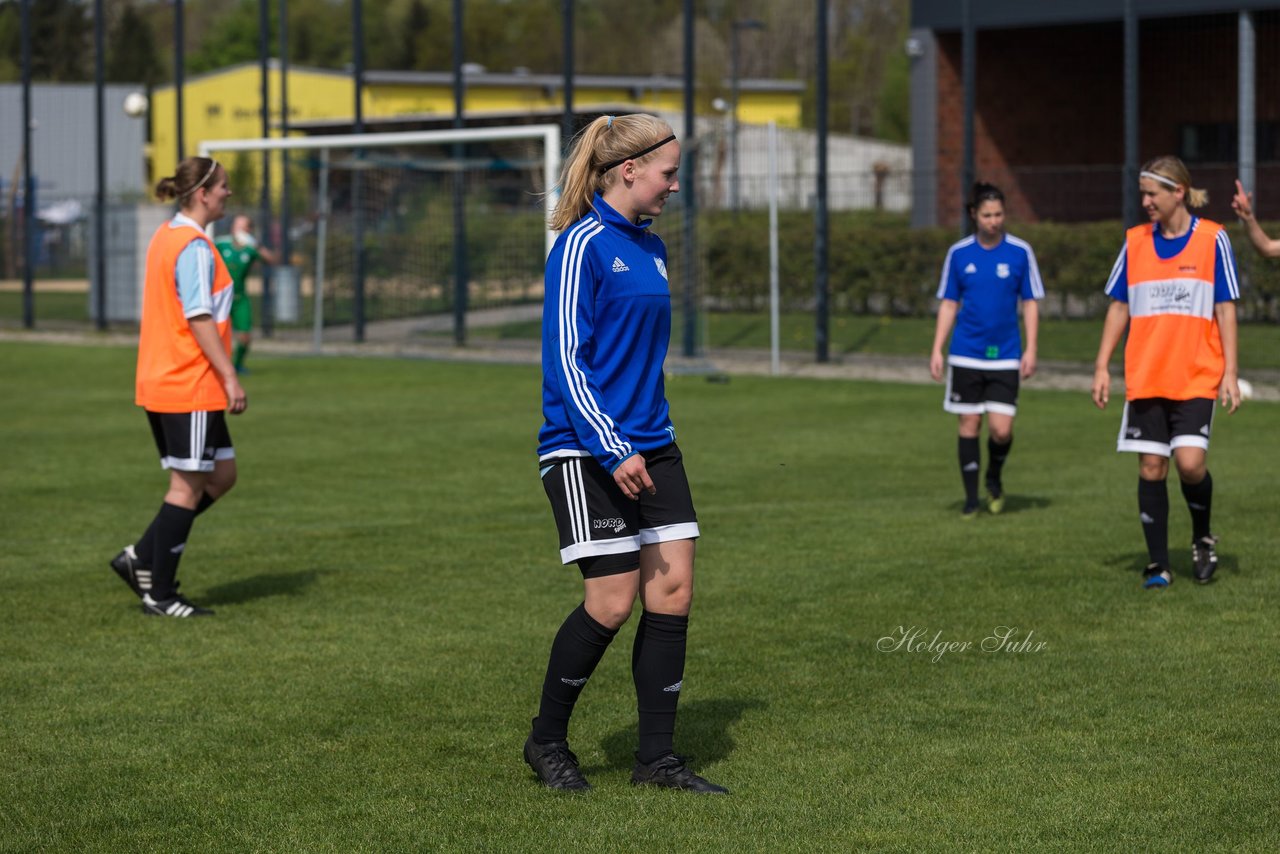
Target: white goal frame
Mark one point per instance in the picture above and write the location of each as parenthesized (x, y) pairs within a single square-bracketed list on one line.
[(549, 134)]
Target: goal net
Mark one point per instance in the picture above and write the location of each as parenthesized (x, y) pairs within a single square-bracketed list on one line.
[(373, 223)]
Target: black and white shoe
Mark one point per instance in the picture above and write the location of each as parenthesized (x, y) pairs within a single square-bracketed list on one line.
[(1204, 558), (132, 571), (555, 765), (671, 772), (175, 606)]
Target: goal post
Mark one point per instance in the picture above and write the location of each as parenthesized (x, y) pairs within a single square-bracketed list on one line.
[(408, 176)]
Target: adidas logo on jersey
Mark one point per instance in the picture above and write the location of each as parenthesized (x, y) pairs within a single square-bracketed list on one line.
[(618, 266), (970, 268), (662, 268)]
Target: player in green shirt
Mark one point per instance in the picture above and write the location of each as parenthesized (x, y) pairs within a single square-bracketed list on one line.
[(239, 251)]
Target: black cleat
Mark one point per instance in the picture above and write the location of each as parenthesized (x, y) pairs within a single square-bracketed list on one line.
[(132, 571), (555, 765), (1204, 559), (671, 772), (175, 606)]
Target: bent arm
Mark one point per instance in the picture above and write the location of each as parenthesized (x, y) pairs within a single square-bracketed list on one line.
[(1031, 320), (1112, 331), (205, 331), (1225, 312), (947, 309)]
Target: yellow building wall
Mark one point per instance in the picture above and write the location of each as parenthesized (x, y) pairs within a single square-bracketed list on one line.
[(224, 105)]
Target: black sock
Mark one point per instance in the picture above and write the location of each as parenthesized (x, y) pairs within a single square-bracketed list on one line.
[(996, 455), (970, 465), (657, 666), (1199, 501), (1153, 509), (577, 649), (143, 547), (172, 526)]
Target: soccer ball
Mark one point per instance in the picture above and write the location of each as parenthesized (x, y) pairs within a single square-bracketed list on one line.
[(1246, 389), (135, 104)]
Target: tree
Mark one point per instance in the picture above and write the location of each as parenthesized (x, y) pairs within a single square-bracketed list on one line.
[(61, 43), (132, 53)]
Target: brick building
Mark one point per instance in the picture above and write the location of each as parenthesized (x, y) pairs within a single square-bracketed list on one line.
[(1049, 117)]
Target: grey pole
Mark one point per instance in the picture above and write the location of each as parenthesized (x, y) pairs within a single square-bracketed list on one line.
[(179, 61), (821, 251), (460, 274), (1129, 174), (969, 73), (689, 189), (100, 158), (28, 183), (1247, 132)]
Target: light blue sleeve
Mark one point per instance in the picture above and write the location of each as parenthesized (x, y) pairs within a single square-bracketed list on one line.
[(195, 279)]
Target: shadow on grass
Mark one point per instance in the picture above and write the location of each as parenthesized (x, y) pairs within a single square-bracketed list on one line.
[(1012, 504), (261, 587), (702, 734)]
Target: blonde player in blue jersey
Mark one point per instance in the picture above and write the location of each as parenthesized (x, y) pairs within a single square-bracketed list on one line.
[(984, 277), (606, 451)]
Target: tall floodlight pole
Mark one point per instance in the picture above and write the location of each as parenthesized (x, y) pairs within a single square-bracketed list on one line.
[(689, 189), (735, 176), (179, 61), (28, 184), (1129, 174), (100, 163), (357, 177), (821, 225), (969, 78), (567, 123), (459, 188), (264, 200), (1247, 133)]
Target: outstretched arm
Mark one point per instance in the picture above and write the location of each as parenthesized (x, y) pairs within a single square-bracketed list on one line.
[(1242, 203)]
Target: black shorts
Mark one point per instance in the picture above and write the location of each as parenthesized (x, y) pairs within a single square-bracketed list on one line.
[(1157, 425), (600, 528), (191, 441), (974, 391)]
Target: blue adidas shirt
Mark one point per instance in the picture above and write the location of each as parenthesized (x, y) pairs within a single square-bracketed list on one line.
[(988, 284), (606, 324)]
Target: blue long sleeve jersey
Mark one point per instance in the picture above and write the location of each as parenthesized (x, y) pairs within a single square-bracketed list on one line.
[(988, 284), (606, 324)]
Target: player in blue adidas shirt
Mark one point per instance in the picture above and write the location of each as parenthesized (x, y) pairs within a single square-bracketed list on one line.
[(983, 278), (607, 451)]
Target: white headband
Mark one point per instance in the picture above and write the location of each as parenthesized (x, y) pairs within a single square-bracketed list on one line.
[(1168, 182), (212, 166)]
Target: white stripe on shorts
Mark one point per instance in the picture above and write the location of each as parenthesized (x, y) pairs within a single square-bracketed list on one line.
[(668, 533)]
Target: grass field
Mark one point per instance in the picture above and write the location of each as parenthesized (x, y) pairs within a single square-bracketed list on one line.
[(387, 587)]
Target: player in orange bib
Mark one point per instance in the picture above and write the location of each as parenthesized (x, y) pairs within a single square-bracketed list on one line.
[(1173, 287), (185, 381)]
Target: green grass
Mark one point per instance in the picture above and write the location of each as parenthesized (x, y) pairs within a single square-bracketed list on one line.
[(386, 582)]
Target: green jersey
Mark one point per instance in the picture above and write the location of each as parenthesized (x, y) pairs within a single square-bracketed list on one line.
[(239, 259)]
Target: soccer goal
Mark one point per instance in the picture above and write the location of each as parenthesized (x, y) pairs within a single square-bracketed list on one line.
[(374, 220)]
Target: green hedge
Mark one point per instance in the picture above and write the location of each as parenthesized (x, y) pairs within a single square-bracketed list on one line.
[(879, 264)]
